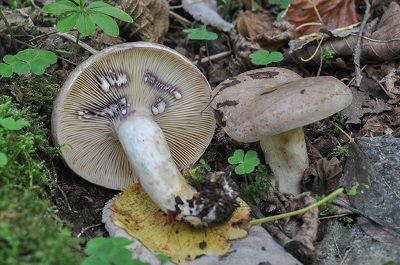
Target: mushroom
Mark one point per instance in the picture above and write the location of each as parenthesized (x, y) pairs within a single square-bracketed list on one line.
[(271, 105), (137, 111)]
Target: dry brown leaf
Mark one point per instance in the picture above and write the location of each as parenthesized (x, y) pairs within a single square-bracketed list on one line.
[(380, 45), (261, 28), (150, 20), (334, 14), (134, 211)]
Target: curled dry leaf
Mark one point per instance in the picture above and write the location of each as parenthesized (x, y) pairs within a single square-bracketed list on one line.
[(300, 232), (381, 45), (206, 12), (136, 213), (261, 28), (150, 20), (334, 14)]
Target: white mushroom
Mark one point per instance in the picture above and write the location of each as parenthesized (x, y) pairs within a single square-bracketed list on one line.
[(136, 111), (271, 105)]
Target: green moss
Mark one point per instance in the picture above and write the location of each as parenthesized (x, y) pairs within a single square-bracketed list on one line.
[(30, 231)]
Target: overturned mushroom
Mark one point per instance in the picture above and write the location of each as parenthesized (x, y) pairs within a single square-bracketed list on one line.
[(137, 111), (271, 105)]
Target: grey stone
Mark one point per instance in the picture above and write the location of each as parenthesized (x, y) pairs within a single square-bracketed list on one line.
[(374, 162)]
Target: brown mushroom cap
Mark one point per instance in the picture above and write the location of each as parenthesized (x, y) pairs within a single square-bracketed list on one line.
[(139, 75), (271, 100)]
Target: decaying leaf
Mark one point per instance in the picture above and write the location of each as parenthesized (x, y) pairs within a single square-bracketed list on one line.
[(334, 14), (150, 20), (261, 28), (206, 12), (300, 232), (134, 211), (380, 45)]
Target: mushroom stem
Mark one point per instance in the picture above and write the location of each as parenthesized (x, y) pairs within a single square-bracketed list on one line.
[(286, 154), (148, 153)]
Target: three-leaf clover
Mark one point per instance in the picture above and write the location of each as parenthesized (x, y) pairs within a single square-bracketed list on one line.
[(108, 251), (25, 61), (85, 17), (264, 57), (245, 162), (201, 34)]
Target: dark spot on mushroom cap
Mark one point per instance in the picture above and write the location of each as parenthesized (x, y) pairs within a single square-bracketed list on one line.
[(202, 245), (227, 103), (302, 91), (267, 92), (178, 200), (219, 117), (226, 84), (263, 75)]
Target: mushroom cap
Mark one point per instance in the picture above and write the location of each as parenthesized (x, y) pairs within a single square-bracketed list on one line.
[(132, 76), (271, 100)]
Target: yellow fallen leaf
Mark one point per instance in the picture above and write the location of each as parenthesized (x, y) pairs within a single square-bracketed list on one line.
[(135, 212)]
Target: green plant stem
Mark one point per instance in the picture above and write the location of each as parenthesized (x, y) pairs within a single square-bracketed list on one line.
[(78, 36), (9, 29), (297, 212), (337, 126)]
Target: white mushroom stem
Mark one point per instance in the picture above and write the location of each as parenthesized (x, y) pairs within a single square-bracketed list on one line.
[(149, 155), (286, 154)]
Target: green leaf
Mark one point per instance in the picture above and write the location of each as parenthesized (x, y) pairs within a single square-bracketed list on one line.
[(60, 7), (242, 169), (85, 24), (251, 158), (67, 22), (13, 125), (237, 157), (5, 70), (282, 3), (38, 66), (94, 261), (264, 57), (20, 67), (200, 34), (27, 55), (107, 9), (48, 56), (3, 159), (9, 59), (106, 23)]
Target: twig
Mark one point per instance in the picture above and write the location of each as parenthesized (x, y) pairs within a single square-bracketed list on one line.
[(83, 230), (315, 52), (297, 212), (357, 51), (345, 255), (214, 57), (180, 18), (64, 195), (80, 43), (8, 26)]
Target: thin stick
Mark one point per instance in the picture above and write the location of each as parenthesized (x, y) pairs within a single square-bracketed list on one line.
[(8, 26), (80, 43), (297, 212), (214, 57), (357, 51), (351, 139)]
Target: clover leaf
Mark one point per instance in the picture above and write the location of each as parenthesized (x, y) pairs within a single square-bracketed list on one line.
[(13, 125), (25, 61), (200, 34), (264, 57), (85, 16), (246, 162)]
